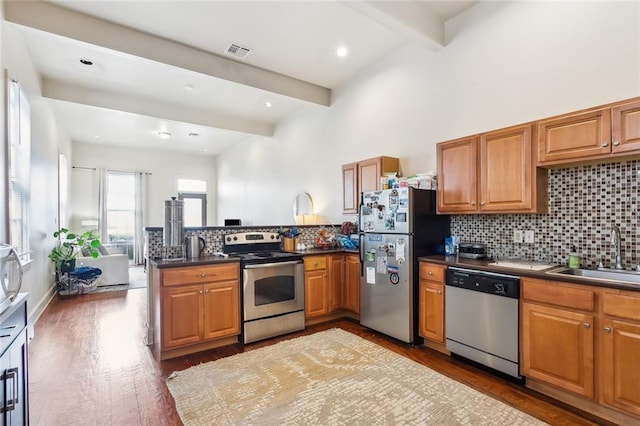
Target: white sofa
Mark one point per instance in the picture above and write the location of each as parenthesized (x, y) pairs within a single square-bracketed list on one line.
[(114, 267)]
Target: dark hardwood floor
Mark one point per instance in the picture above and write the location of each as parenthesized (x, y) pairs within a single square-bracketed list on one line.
[(89, 365)]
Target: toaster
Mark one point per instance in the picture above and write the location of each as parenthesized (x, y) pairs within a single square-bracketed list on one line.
[(472, 250)]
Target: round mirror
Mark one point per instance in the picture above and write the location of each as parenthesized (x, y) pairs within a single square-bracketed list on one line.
[(302, 207)]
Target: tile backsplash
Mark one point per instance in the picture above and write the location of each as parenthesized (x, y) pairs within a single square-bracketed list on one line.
[(584, 204)]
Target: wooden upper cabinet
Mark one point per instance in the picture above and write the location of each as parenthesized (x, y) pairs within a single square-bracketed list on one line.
[(494, 172), (370, 171), (506, 169), (457, 188), (625, 130), (350, 188), (599, 133), (574, 136), (364, 176)]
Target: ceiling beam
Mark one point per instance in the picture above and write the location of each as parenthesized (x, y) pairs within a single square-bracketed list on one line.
[(53, 89), (410, 18), (67, 23)]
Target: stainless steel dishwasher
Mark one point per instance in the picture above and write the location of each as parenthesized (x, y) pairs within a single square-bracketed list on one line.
[(482, 318)]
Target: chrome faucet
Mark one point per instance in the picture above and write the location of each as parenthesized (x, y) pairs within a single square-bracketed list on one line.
[(615, 242)]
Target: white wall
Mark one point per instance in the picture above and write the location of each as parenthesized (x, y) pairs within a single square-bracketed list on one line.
[(165, 168), (46, 141), (504, 64)]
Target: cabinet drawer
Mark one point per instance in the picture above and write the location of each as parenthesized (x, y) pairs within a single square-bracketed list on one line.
[(559, 294), (12, 326), (315, 262), (200, 274), (432, 272), (621, 304)]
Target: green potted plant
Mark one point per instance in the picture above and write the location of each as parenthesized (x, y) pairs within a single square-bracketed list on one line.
[(71, 245)]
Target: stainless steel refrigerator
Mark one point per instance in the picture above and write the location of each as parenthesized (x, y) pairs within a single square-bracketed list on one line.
[(396, 227)]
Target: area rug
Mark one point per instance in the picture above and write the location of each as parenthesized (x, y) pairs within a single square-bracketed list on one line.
[(330, 378)]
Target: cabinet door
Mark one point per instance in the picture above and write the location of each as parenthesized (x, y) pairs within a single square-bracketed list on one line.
[(621, 375), (506, 169), (574, 137), (557, 348), (352, 291), (432, 311), (350, 194), (221, 306), (181, 315), (369, 172), (457, 179), (315, 293), (625, 123), (336, 282)]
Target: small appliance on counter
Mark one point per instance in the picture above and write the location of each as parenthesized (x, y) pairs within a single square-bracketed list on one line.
[(472, 250)]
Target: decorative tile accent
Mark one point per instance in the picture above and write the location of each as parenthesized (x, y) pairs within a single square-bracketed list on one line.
[(584, 204)]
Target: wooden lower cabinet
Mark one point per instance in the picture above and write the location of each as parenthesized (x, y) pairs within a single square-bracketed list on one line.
[(557, 334), (197, 307), (331, 284), (620, 378), (336, 282), (352, 283), (431, 308), (557, 347)]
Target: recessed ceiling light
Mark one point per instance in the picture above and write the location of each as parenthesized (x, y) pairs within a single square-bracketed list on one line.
[(194, 134), (164, 135), (97, 136), (86, 62), (342, 51), (268, 104), (188, 87), (205, 150)]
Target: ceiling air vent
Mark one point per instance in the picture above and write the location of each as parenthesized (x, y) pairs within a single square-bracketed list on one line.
[(237, 51)]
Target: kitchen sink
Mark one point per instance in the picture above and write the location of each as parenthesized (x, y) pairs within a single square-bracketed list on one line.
[(632, 277)]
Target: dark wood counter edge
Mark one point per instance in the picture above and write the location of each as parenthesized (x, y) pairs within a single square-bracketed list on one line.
[(314, 252), (199, 261), (483, 265), (236, 228)]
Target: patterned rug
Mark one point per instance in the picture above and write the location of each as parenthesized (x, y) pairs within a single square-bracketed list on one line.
[(330, 378)]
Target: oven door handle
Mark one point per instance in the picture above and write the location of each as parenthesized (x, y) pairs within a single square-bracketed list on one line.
[(270, 265)]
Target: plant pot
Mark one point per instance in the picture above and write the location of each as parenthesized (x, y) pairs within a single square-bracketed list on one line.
[(67, 266)]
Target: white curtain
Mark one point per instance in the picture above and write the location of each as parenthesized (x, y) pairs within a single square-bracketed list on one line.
[(102, 204), (140, 216)]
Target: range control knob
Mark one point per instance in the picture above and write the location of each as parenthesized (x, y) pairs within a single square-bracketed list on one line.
[(278, 237), (235, 238), (228, 238), (272, 237)]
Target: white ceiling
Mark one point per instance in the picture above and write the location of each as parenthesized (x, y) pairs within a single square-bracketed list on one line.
[(146, 55)]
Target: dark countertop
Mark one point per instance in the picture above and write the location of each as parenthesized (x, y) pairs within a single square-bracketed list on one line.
[(210, 260), (483, 265), (197, 261)]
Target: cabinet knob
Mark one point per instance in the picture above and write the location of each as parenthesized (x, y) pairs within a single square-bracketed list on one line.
[(430, 273), (201, 292), (439, 291), (607, 330), (482, 203), (587, 325), (203, 275), (605, 144), (616, 143), (473, 203), (206, 291)]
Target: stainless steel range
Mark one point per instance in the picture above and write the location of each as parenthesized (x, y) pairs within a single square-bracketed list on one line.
[(272, 285)]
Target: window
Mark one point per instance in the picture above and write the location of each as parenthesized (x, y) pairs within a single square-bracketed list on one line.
[(194, 194), (121, 210), (19, 158)]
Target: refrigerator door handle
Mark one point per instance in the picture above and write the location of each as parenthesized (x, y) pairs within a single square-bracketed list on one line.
[(361, 253)]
